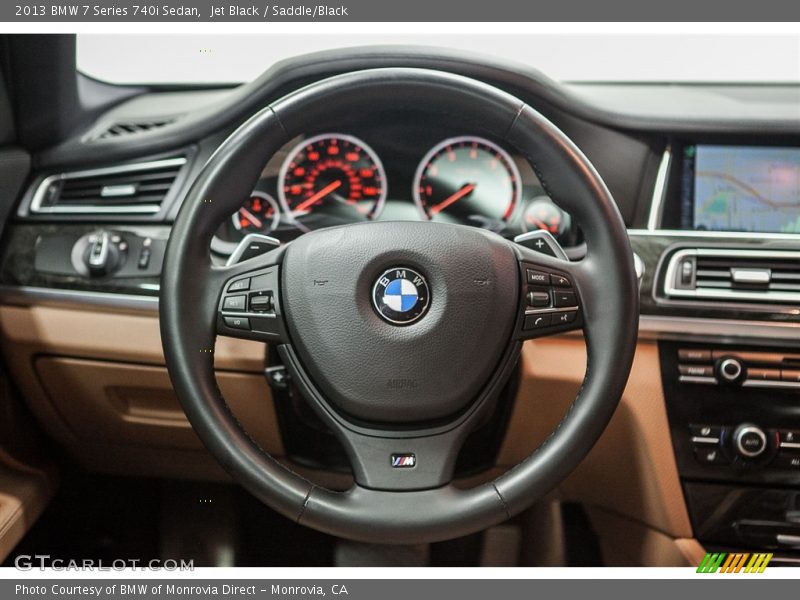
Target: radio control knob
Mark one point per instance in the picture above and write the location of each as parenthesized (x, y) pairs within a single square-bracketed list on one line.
[(750, 440), (730, 370)]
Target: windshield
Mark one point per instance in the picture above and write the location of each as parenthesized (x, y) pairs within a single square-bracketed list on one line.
[(234, 59)]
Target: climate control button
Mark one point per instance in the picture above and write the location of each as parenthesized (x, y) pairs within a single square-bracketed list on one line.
[(750, 441)]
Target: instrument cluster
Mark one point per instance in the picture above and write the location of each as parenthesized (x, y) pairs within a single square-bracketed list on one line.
[(334, 179)]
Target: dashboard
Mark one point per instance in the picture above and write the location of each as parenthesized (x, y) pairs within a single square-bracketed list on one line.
[(400, 172), (707, 179)]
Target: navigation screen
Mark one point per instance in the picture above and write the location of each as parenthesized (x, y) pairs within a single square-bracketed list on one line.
[(739, 188)]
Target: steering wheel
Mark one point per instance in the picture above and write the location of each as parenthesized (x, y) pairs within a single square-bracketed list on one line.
[(399, 334)]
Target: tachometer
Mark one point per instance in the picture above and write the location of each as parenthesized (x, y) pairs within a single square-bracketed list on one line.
[(467, 179), (331, 179)]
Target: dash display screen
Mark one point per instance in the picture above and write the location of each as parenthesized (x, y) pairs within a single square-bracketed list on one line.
[(741, 188)]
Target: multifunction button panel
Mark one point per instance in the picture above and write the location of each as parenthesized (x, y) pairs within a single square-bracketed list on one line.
[(743, 368), (551, 302), (250, 303)]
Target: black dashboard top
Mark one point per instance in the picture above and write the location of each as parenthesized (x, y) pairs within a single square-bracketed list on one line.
[(661, 109)]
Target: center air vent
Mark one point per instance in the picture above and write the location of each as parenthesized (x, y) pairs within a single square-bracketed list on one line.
[(734, 275), (138, 188)]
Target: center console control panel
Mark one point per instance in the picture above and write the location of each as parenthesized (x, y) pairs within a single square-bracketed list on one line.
[(734, 412), (734, 416)]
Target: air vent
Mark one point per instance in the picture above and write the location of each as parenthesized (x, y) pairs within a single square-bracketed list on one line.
[(127, 189), (124, 129), (734, 275)]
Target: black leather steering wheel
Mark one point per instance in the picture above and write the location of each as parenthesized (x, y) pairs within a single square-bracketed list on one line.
[(400, 384)]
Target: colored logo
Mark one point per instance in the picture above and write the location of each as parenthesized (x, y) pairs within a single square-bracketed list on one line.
[(403, 461), (723, 562), (401, 295)]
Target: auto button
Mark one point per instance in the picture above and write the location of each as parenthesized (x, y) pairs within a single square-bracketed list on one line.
[(750, 441)]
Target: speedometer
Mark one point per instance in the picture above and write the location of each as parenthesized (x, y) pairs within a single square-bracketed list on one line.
[(467, 179), (331, 179)]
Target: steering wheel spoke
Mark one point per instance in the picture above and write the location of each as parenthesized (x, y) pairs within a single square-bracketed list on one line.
[(400, 463), (249, 304), (393, 458)]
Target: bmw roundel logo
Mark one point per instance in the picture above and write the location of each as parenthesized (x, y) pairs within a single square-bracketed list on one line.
[(401, 295)]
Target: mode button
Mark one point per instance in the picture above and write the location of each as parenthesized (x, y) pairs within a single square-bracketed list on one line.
[(537, 277)]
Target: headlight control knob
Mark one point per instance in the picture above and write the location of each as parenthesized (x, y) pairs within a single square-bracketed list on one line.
[(101, 253)]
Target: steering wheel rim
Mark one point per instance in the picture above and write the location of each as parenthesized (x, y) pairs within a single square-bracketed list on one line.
[(605, 281)]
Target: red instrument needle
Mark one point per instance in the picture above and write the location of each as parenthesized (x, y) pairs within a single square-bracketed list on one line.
[(436, 208), (318, 196)]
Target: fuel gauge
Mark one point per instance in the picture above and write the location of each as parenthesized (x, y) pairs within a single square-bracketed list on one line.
[(260, 214)]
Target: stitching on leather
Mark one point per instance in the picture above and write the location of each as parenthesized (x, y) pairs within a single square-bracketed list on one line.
[(233, 417), (502, 501), (540, 177), (514, 120), (224, 403), (264, 453), (250, 438), (578, 397), (277, 116), (305, 503), (561, 423)]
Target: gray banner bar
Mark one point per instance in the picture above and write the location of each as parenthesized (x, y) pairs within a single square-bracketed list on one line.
[(710, 585), (195, 11)]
